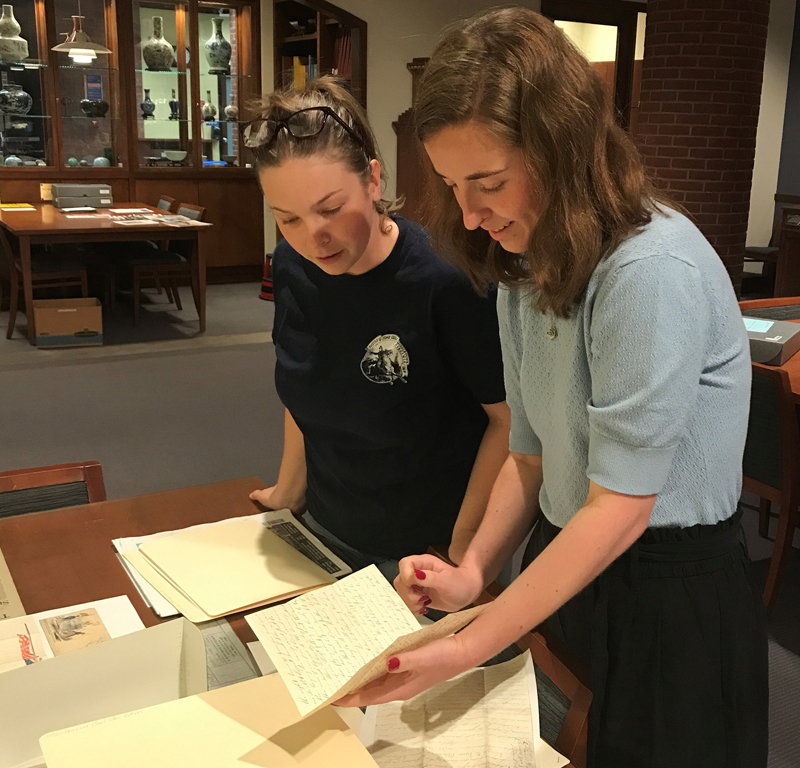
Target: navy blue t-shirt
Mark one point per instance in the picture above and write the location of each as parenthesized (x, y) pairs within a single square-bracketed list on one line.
[(384, 373)]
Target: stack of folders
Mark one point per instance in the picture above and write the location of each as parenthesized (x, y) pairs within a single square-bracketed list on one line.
[(208, 571)]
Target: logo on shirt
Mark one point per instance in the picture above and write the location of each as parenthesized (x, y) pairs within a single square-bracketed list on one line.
[(386, 360)]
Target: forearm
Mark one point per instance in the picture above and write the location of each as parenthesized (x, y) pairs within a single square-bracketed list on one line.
[(491, 456), (596, 536), (511, 510), (292, 484)]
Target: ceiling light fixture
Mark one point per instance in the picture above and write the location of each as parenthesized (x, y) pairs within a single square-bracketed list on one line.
[(78, 46)]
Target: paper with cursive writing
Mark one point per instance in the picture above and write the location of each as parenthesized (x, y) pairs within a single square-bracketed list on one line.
[(332, 641)]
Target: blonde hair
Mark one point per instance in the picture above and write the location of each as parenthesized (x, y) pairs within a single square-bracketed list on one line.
[(333, 140), (518, 75)]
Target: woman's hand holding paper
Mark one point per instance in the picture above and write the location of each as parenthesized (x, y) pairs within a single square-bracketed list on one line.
[(426, 581)]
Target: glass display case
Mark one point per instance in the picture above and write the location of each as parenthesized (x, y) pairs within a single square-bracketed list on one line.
[(26, 129)]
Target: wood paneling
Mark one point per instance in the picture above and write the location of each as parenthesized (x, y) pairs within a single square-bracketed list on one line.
[(236, 209)]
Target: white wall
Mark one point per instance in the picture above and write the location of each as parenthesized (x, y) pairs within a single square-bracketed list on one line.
[(398, 31), (770, 122)]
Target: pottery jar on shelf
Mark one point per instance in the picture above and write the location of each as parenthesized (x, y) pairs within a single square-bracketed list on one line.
[(157, 52), (14, 101), (209, 110), (174, 107), (218, 49), (232, 111), (148, 106), (13, 48)]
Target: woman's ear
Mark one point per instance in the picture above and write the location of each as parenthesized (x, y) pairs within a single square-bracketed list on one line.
[(374, 184)]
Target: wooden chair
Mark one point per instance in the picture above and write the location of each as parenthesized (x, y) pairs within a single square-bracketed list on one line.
[(562, 680), (43, 488), (166, 265), (166, 203), (771, 464), (45, 274)]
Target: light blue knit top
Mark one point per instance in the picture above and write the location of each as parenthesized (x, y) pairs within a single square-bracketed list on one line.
[(645, 390)]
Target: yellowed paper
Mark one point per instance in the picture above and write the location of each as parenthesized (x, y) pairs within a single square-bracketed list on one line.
[(336, 639), (10, 604), (254, 723), (485, 718), (230, 567)]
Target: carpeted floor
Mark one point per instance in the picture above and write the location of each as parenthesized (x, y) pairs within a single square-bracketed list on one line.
[(188, 409)]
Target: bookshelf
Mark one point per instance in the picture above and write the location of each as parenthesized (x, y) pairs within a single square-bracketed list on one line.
[(313, 37)]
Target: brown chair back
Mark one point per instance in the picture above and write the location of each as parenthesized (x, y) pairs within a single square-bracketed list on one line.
[(166, 203), (196, 212), (52, 487)]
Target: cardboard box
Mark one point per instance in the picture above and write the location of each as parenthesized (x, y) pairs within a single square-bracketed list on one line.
[(772, 342), (68, 322)]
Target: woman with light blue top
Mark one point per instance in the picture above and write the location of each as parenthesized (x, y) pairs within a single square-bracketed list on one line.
[(628, 376)]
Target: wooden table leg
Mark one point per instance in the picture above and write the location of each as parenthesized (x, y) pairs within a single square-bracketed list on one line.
[(27, 284), (199, 279)]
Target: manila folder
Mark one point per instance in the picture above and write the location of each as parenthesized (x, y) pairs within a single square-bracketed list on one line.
[(254, 723)]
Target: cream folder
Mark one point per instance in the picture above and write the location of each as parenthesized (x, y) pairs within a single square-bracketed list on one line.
[(148, 667), (212, 571), (254, 723)]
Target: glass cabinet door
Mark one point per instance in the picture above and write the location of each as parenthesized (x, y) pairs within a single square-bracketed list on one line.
[(162, 53), (26, 128), (223, 86), (87, 89)]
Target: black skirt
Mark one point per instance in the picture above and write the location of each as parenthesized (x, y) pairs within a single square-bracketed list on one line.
[(675, 634)]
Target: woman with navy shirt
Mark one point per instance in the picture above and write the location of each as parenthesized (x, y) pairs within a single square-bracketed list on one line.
[(388, 361)]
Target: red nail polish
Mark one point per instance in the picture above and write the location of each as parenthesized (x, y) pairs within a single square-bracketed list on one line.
[(424, 599), (393, 664), (419, 574), (424, 610)]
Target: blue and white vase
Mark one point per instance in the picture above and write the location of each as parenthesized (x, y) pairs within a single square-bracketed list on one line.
[(157, 52), (13, 48), (148, 106), (218, 49), (15, 101)]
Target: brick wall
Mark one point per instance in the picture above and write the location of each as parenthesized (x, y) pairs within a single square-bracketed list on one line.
[(701, 88)]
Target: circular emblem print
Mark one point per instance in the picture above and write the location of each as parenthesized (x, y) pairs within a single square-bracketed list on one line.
[(386, 360)]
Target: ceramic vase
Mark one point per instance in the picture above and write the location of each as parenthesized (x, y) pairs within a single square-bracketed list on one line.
[(12, 46), (209, 110), (94, 107), (14, 101), (174, 107), (218, 50), (157, 52), (232, 111), (12, 161), (148, 106), (101, 162)]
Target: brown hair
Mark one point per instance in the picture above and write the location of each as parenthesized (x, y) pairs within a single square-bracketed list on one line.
[(516, 73), (333, 140)]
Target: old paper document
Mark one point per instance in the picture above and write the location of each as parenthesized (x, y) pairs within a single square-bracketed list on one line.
[(227, 659), (336, 639), (254, 723), (123, 674), (228, 567), (10, 604), (485, 718), (26, 640)]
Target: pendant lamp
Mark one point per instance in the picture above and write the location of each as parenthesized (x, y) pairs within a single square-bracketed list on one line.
[(78, 46)]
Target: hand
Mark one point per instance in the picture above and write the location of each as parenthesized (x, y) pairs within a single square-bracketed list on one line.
[(411, 673), (271, 498), (426, 581)]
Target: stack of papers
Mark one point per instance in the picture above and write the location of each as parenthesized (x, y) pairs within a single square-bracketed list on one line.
[(282, 523), (213, 570), (485, 717), (254, 723), (335, 640)]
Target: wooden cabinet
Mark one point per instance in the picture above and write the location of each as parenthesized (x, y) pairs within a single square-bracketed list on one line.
[(313, 37), (91, 122)]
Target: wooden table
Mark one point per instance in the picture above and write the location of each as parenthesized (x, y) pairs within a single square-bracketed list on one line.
[(64, 557), (47, 225), (792, 365)]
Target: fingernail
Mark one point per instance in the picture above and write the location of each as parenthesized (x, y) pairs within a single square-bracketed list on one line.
[(424, 610), (424, 599), (393, 664), (419, 574)]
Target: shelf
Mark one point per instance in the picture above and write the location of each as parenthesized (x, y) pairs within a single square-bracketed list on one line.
[(299, 38), (86, 117), (25, 117), (23, 65), (163, 71)]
